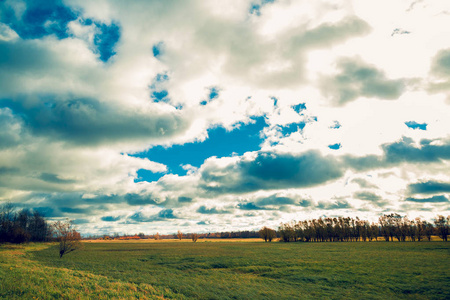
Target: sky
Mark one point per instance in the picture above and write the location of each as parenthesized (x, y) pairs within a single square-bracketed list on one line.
[(206, 116)]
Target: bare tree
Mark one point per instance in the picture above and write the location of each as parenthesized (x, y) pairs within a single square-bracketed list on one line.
[(194, 237), (179, 235), (68, 237)]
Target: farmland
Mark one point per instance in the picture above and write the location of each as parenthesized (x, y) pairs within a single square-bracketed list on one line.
[(228, 270)]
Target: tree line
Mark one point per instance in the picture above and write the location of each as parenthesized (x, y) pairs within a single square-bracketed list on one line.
[(22, 226), (30, 226), (349, 229)]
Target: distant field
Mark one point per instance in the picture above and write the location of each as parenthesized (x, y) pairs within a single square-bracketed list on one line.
[(228, 270)]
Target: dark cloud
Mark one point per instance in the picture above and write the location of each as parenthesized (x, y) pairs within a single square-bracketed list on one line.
[(137, 199), (165, 214), (433, 199), (110, 218), (339, 204), (53, 178), (402, 151), (211, 211), (272, 171), (75, 210), (276, 201), (305, 203), (359, 79), (406, 151), (429, 187), (183, 199), (364, 162), (48, 212), (89, 121), (250, 206), (80, 221)]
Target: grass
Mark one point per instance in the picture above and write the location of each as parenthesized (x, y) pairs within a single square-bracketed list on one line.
[(229, 270)]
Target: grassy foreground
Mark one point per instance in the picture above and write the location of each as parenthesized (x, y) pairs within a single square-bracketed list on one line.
[(228, 270)]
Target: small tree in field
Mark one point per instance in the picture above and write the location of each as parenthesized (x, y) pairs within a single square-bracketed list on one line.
[(267, 234), (157, 236), (179, 235), (68, 237), (194, 237)]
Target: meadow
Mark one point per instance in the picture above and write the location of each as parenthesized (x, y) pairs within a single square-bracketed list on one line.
[(227, 270)]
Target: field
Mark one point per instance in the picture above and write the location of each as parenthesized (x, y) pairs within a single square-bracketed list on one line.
[(228, 270)]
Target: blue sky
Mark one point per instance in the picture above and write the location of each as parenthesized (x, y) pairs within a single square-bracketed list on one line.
[(140, 118)]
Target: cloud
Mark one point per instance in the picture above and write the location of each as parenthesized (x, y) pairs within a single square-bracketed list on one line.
[(11, 132), (429, 187), (110, 218), (249, 206), (53, 178), (359, 79), (363, 183), (183, 199), (275, 201), (210, 211), (433, 199), (371, 197), (440, 73), (137, 199), (339, 204), (91, 122), (269, 170), (406, 151), (80, 221), (163, 215)]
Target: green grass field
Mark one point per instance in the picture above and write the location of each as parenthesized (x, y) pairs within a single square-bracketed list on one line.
[(228, 270)]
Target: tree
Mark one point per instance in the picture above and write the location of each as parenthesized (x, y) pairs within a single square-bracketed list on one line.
[(442, 226), (428, 230), (179, 235), (194, 237), (68, 237), (267, 234), (157, 236)]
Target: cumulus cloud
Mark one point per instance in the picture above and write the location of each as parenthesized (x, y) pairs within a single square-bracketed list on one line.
[(429, 187), (357, 78), (440, 73), (433, 199), (163, 215), (269, 171), (211, 211)]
